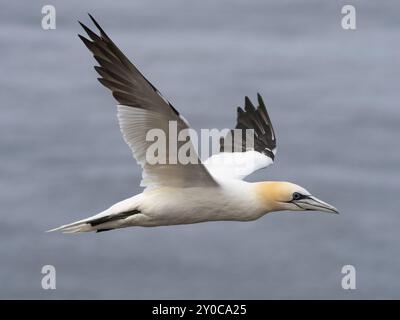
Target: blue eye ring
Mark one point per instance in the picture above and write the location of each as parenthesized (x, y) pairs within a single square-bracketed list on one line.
[(297, 196)]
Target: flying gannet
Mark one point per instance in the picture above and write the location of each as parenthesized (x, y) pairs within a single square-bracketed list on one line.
[(186, 193)]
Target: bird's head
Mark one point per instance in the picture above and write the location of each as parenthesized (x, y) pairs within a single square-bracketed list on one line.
[(278, 195)]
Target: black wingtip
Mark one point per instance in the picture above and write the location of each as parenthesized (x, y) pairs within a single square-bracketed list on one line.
[(260, 100), (248, 105), (87, 43), (91, 17), (83, 38), (104, 82), (97, 25), (90, 33), (82, 25)]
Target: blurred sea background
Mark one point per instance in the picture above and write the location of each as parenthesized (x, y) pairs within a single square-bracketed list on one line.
[(333, 97)]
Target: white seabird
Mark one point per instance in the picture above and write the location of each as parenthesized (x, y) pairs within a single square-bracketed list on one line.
[(186, 193)]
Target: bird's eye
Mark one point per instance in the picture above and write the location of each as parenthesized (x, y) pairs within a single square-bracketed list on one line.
[(296, 196)]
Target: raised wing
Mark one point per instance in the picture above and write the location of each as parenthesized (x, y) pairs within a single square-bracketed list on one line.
[(141, 108), (249, 147)]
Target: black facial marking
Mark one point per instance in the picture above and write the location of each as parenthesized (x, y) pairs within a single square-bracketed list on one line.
[(298, 196)]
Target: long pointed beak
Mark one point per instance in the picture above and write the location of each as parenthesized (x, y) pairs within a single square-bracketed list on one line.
[(313, 203)]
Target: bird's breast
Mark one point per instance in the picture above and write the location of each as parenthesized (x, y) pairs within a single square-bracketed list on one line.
[(166, 206)]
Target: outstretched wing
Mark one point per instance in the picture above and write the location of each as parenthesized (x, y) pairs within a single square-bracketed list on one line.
[(249, 147), (141, 108)]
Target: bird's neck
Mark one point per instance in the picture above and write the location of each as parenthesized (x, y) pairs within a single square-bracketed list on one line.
[(269, 194)]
